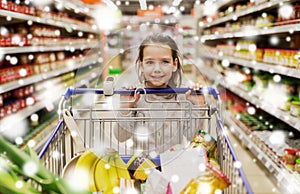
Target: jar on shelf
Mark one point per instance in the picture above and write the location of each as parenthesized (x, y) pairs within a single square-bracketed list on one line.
[(289, 157), (298, 153), (297, 165)]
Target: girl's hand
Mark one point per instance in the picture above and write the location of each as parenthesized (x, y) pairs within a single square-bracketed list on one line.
[(195, 99), (129, 99)]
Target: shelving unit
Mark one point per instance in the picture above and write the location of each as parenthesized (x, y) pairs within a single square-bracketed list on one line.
[(256, 65), (71, 40), (291, 28), (264, 105), (255, 8), (188, 42), (218, 33), (51, 22), (259, 149), (282, 176)]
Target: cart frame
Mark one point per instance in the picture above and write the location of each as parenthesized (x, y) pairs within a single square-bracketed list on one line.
[(54, 156)]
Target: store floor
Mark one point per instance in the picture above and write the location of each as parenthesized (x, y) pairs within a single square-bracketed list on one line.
[(257, 175)]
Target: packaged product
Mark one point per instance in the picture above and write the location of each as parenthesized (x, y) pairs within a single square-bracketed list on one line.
[(298, 153), (214, 163), (295, 108), (156, 183), (140, 165), (209, 183), (126, 185), (289, 157), (209, 143), (297, 165)]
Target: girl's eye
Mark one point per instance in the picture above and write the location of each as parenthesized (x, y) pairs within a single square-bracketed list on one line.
[(150, 62), (161, 63), (165, 63)]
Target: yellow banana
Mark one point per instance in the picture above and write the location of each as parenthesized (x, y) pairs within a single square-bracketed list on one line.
[(101, 176), (112, 172), (83, 169), (92, 178), (121, 168)]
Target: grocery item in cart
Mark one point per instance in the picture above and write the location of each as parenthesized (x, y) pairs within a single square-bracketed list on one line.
[(156, 182), (140, 165), (210, 182), (179, 166), (205, 139), (84, 169), (68, 169), (101, 173), (108, 171), (96, 172)]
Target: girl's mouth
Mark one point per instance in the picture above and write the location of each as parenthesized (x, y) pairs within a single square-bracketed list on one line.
[(157, 77)]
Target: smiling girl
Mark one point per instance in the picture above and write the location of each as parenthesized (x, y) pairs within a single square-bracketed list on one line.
[(158, 65)]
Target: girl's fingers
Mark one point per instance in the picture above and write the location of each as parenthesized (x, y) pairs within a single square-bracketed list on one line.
[(188, 92), (195, 99), (197, 86), (129, 87), (138, 95)]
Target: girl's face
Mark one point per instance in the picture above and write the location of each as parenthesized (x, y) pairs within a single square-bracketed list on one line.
[(158, 65)]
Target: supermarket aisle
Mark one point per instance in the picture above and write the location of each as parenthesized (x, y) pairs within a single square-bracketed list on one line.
[(258, 177)]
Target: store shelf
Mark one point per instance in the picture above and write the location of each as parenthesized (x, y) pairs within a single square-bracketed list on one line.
[(76, 6), (283, 176), (39, 77), (240, 27), (51, 22), (9, 121), (224, 3), (248, 11), (290, 28), (41, 138), (27, 49), (269, 108), (256, 65), (61, 44), (22, 114)]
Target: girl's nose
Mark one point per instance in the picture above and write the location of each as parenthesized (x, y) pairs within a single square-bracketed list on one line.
[(157, 66)]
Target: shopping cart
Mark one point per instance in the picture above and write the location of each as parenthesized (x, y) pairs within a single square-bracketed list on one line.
[(97, 120)]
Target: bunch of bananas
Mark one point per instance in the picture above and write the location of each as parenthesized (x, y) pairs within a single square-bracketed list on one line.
[(102, 172)]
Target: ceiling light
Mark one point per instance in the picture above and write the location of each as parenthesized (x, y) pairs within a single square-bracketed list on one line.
[(110, 4), (176, 2), (151, 7), (143, 4)]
